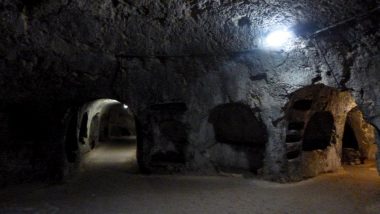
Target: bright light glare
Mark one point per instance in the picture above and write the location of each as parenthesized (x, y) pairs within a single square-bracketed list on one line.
[(125, 106), (278, 39)]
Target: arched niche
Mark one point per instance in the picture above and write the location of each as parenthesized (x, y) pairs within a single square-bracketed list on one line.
[(236, 124), (240, 135), (319, 132), (358, 143)]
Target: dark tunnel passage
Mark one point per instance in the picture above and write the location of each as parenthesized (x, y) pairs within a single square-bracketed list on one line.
[(189, 106), (105, 137)]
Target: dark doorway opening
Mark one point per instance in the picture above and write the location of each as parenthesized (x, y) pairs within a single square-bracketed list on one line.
[(359, 139), (350, 147), (349, 138)]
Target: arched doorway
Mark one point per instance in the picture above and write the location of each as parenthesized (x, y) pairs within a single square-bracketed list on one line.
[(89, 144), (358, 142)]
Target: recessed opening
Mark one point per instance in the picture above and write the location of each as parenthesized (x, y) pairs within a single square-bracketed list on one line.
[(349, 138), (293, 154), (324, 141), (350, 147), (358, 139), (171, 133), (175, 133), (303, 105), (116, 149), (319, 132), (292, 138), (236, 125), (296, 126)]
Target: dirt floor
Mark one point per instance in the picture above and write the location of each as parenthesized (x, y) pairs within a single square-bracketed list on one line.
[(109, 184)]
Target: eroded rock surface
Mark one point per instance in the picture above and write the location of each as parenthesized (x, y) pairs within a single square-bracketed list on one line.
[(60, 54)]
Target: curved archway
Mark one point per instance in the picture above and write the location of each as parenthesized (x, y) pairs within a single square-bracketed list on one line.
[(315, 116), (117, 148), (358, 143)]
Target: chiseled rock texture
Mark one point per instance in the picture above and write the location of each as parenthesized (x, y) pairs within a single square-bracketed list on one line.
[(175, 61), (316, 118)]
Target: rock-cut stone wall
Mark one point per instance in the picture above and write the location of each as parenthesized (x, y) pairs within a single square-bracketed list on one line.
[(173, 62)]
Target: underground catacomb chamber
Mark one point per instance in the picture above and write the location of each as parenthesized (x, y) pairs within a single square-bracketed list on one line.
[(240, 137), (311, 138), (325, 129), (102, 133)]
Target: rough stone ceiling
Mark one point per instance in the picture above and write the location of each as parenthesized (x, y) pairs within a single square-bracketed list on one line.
[(170, 27), (65, 43), (202, 54)]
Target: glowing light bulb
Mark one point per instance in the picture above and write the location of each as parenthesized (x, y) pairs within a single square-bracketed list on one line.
[(125, 106), (278, 38)]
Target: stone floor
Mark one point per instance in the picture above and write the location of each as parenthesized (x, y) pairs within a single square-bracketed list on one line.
[(109, 185)]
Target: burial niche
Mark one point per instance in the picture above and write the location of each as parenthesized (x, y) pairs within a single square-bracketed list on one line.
[(236, 125), (172, 134), (319, 132)]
